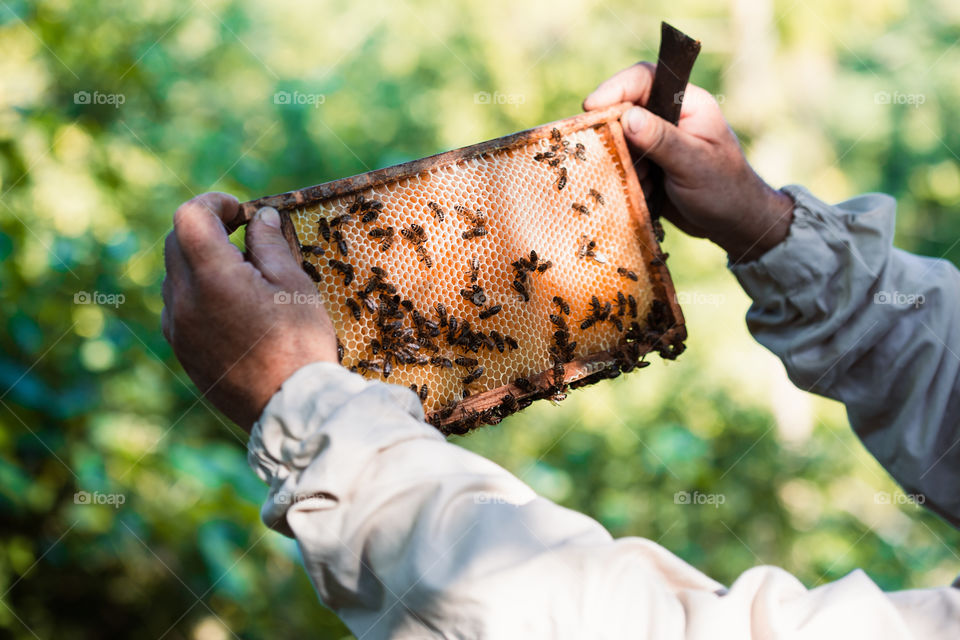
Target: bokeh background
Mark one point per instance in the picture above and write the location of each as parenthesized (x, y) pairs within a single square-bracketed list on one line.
[(113, 112)]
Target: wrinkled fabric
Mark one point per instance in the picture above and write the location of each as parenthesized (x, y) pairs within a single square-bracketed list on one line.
[(877, 328), (405, 535)]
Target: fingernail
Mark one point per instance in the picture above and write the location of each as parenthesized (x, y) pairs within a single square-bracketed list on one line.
[(634, 119), (269, 217)]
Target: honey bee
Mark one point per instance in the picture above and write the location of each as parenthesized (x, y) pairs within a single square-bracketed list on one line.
[(354, 308), (474, 294), (387, 365), (560, 302), (466, 362), (632, 302), (498, 340), (617, 322), (626, 273), (312, 249), (490, 311), (368, 365), (474, 232), (437, 211), (524, 385), (381, 232), (580, 208), (346, 270), (440, 361), (588, 322), (597, 196), (562, 180), (473, 376), (324, 228), (341, 219), (414, 234), (370, 216), (358, 203), (511, 342), (582, 246), (473, 269), (441, 313), (580, 152), (424, 256), (339, 350), (621, 303), (340, 242), (558, 321), (521, 288), (556, 136), (509, 404), (545, 155), (543, 266), (311, 271), (659, 260)]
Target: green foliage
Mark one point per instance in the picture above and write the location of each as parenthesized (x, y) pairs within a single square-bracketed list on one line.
[(92, 400)]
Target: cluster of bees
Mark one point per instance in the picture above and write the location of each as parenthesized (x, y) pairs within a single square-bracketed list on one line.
[(406, 335)]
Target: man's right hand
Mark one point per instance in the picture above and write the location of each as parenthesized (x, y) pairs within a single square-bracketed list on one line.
[(712, 191)]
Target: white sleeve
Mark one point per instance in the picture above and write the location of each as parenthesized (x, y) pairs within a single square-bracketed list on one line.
[(405, 535), (877, 328)]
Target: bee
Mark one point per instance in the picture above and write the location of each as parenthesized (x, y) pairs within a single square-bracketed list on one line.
[(562, 180), (437, 211), (580, 208), (580, 152), (340, 242), (312, 249), (341, 219), (511, 342), (545, 155), (597, 196), (424, 392), (440, 361), (474, 232), (358, 203), (475, 295), (524, 385), (632, 302), (657, 229), (534, 258), (626, 273), (424, 256), (473, 376), (560, 302), (386, 244), (521, 288), (473, 269), (556, 136), (370, 216), (462, 211), (617, 322), (311, 271), (324, 228), (441, 313), (659, 260), (558, 321), (346, 270), (489, 312), (375, 346), (368, 365), (508, 405), (498, 340), (588, 322), (466, 362), (582, 247), (354, 308), (387, 365), (543, 266), (339, 350), (558, 372), (371, 304), (621, 303), (381, 232), (414, 234)]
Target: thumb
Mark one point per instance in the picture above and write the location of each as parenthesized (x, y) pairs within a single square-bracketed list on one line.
[(268, 250), (657, 139)]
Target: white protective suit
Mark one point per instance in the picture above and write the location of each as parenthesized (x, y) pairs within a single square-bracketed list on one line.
[(400, 538)]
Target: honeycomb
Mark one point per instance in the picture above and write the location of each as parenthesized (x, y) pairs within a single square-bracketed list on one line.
[(402, 264)]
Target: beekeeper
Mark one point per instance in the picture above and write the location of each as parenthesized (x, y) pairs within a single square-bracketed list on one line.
[(395, 525)]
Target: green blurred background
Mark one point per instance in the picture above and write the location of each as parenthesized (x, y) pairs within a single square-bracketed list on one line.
[(112, 113)]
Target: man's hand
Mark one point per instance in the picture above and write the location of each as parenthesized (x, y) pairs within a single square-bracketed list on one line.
[(712, 190), (231, 318)]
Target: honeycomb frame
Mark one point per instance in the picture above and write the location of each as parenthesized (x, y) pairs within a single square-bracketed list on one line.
[(591, 146)]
